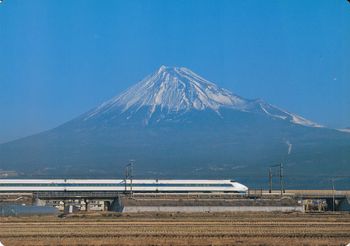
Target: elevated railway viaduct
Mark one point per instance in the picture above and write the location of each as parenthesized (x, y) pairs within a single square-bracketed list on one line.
[(115, 201), (335, 200)]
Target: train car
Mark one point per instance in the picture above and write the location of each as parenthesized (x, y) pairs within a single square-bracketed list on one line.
[(136, 185)]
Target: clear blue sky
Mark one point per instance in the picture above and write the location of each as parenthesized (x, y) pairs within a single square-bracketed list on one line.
[(60, 58)]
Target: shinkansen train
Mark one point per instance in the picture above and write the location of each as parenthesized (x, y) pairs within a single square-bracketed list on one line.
[(136, 185)]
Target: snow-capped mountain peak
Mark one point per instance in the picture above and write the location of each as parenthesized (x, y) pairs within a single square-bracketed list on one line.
[(175, 89), (178, 89)]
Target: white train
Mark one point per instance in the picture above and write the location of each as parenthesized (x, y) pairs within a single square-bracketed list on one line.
[(138, 185)]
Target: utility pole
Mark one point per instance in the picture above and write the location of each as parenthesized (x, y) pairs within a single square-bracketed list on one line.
[(271, 175), (126, 172), (280, 166), (270, 180), (281, 179), (333, 195), (128, 175), (131, 174)]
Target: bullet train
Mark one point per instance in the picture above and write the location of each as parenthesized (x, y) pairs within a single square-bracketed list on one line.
[(136, 185)]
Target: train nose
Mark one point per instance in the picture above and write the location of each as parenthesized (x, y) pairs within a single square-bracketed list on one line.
[(243, 188)]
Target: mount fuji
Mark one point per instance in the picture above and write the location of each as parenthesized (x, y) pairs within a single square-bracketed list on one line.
[(176, 124), (174, 91)]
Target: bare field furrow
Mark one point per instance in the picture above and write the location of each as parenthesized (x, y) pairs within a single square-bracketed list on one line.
[(223, 229)]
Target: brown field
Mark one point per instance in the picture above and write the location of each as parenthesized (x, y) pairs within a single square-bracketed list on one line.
[(178, 229)]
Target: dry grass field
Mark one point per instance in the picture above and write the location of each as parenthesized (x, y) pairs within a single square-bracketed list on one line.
[(178, 229)]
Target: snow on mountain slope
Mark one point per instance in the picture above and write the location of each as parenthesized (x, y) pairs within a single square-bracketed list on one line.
[(178, 89), (347, 129), (173, 89), (276, 112)]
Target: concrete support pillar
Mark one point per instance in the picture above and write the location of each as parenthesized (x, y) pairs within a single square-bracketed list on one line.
[(86, 205), (39, 202)]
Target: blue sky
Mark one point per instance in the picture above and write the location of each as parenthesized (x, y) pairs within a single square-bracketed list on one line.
[(60, 58)]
